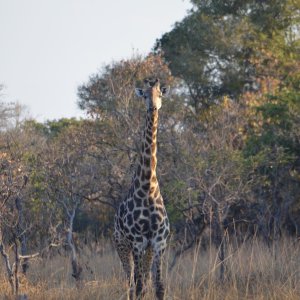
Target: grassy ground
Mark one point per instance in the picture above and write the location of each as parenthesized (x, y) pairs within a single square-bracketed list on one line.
[(253, 271)]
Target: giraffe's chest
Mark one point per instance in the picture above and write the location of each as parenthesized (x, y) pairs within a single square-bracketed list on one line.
[(147, 220)]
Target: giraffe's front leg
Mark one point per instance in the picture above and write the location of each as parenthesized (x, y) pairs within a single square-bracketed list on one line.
[(138, 272), (125, 255), (147, 263), (157, 275)]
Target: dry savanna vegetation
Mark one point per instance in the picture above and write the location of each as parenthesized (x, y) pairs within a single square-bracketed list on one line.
[(228, 165), (254, 271)]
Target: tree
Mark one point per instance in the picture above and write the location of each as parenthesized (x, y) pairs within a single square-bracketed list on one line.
[(11, 114), (204, 50), (13, 229), (214, 48)]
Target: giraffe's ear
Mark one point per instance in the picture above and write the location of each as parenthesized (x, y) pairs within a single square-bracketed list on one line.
[(165, 90), (139, 92)]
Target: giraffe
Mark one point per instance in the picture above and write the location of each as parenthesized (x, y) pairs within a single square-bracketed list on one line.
[(141, 222)]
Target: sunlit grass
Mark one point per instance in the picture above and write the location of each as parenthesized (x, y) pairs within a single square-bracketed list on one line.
[(253, 271)]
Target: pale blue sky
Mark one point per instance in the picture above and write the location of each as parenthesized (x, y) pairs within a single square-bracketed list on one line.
[(49, 47)]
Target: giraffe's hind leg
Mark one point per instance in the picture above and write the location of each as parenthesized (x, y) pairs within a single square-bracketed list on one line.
[(125, 254)]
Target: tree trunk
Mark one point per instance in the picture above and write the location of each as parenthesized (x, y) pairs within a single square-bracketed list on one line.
[(219, 239), (9, 269), (21, 235), (76, 267)]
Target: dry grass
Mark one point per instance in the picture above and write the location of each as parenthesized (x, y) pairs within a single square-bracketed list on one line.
[(254, 271)]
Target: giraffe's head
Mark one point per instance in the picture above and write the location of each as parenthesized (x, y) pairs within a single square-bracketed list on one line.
[(152, 94)]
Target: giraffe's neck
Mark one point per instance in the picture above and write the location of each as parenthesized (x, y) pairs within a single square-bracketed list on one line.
[(146, 169)]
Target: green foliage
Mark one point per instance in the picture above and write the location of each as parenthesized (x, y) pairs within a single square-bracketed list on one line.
[(223, 45), (52, 128), (204, 51), (176, 198)]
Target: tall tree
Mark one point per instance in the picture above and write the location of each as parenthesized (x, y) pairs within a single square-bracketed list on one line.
[(214, 48)]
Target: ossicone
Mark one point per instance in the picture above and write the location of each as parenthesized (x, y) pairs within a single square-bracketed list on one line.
[(151, 82)]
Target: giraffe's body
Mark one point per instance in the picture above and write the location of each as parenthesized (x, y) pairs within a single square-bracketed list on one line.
[(141, 222)]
